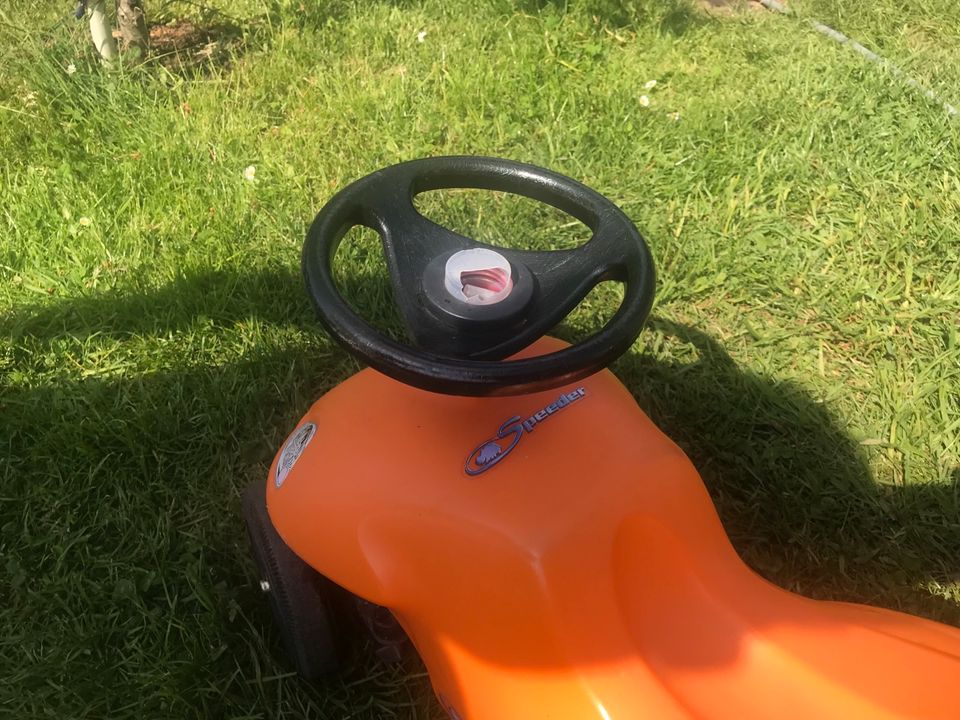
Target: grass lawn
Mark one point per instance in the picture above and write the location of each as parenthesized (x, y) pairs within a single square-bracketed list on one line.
[(156, 344)]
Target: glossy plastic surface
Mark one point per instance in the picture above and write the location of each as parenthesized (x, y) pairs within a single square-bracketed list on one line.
[(585, 574)]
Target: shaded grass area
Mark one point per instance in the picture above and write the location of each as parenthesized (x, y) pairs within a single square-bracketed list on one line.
[(156, 344)]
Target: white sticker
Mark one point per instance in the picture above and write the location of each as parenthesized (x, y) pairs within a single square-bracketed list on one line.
[(292, 450)]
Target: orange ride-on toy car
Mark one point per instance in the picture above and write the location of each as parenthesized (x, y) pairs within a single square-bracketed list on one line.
[(546, 549)]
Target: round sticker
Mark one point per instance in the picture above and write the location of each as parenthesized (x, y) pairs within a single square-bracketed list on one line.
[(292, 450)]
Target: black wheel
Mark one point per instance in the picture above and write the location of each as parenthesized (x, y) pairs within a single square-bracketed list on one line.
[(304, 602)]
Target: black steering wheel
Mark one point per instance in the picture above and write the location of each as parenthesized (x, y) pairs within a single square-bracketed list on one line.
[(464, 319)]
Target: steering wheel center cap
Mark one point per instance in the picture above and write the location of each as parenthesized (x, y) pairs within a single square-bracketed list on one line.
[(478, 276)]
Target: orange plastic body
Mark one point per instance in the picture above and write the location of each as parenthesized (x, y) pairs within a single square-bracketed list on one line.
[(583, 575)]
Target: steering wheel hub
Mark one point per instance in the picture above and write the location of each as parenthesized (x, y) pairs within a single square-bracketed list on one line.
[(478, 276)]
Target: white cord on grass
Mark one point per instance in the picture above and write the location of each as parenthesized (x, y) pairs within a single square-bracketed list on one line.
[(839, 37)]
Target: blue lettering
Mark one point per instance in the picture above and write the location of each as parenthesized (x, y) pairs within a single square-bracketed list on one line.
[(490, 452)]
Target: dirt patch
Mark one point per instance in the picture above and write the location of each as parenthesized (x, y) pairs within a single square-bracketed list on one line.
[(730, 7), (183, 44)]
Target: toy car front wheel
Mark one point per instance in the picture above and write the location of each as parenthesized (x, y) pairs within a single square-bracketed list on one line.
[(302, 600)]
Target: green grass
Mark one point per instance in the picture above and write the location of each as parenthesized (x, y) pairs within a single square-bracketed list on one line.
[(156, 344)]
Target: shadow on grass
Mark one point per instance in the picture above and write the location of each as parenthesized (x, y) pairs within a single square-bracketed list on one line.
[(190, 38), (127, 569), (127, 566), (793, 490), (122, 522), (186, 47)]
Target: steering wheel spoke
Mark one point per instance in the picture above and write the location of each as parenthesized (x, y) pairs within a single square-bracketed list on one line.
[(410, 243)]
